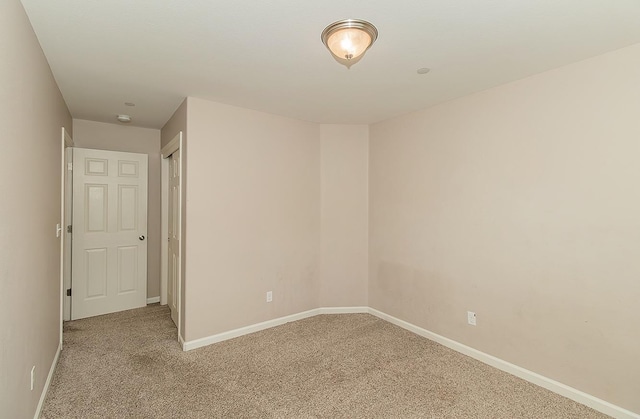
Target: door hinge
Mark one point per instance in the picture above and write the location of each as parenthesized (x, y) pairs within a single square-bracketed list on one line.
[(69, 292), (69, 166), (69, 229)]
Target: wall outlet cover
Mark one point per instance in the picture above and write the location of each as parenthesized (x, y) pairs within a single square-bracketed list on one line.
[(471, 318)]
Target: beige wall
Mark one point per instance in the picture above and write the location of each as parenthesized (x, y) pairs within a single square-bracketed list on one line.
[(344, 212), (176, 124), (253, 217), (114, 137), (520, 203), (32, 113)]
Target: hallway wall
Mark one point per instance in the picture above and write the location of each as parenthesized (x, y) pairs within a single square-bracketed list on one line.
[(32, 113)]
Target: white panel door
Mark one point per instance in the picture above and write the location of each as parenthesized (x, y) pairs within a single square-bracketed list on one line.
[(109, 255), (173, 277)]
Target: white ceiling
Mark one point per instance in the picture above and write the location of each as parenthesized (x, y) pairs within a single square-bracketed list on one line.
[(267, 55)]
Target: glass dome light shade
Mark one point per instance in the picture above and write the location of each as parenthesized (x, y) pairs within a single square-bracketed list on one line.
[(348, 39)]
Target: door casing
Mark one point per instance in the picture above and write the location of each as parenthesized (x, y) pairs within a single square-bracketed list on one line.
[(65, 244), (173, 145)]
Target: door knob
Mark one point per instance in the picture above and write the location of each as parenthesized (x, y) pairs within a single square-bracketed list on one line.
[(141, 237)]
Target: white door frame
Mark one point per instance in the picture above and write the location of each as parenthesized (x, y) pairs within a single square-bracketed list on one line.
[(67, 220), (174, 145), (66, 141)]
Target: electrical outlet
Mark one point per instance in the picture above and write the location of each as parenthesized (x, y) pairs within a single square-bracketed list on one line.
[(269, 296), (471, 318), (33, 376)]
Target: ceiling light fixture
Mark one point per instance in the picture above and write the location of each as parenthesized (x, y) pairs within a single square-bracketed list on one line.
[(124, 118), (349, 39)]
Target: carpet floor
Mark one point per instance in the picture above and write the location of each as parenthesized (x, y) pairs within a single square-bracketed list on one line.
[(129, 365)]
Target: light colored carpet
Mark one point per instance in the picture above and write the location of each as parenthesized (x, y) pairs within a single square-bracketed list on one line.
[(129, 365)]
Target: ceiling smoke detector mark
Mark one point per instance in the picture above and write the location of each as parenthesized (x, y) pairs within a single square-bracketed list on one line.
[(124, 118), (423, 70), (129, 104)]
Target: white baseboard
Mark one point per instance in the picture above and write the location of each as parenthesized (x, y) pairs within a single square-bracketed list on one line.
[(343, 310), (542, 381), (153, 300), (47, 383), (198, 343)]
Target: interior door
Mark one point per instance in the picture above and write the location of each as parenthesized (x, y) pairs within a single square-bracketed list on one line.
[(109, 255), (173, 277)]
